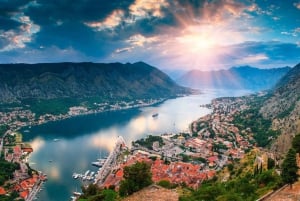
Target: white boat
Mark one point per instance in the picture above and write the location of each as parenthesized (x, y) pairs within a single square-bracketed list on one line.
[(56, 140), (87, 172), (76, 193), (97, 164), (75, 175)]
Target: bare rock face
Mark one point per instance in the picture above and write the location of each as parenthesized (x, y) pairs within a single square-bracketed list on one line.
[(283, 108)]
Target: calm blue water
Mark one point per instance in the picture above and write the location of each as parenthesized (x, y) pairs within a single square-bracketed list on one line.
[(83, 139)]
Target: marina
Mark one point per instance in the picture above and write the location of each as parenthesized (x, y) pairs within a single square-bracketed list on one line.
[(110, 162), (87, 176)]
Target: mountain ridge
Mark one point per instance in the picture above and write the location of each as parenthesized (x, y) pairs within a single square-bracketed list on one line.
[(86, 79), (283, 108), (243, 77)]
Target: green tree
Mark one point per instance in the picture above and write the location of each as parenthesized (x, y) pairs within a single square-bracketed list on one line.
[(289, 168), (296, 143), (271, 163), (136, 177), (229, 197)]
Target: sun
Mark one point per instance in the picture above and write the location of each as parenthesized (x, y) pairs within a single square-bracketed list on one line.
[(197, 42)]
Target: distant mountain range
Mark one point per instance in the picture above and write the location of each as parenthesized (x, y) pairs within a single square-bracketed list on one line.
[(244, 77), (79, 80)]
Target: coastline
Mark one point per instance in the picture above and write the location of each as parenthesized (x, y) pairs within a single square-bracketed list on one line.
[(90, 112), (18, 127)]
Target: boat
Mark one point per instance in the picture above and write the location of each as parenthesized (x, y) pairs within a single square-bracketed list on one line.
[(86, 173), (77, 193), (26, 131), (55, 140), (155, 115), (97, 164), (75, 175)]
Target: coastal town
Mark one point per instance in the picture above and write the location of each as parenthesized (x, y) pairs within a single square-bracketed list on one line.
[(188, 158), (24, 182), (17, 117)]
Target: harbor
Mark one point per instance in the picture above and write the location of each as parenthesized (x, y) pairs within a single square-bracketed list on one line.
[(87, 176), (110, 162), (98, 134)]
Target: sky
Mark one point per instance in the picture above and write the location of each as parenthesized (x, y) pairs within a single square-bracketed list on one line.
[(168, 34)]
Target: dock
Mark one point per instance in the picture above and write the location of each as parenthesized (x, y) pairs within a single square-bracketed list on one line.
[(110, 162)]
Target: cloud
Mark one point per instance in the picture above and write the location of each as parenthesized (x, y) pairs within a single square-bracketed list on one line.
[(252, 59), (148, 8), (138, 10), (297, 5), (293, 32), (18, 37), (16, 29), (135, 41), (121, 50), (113, 20), (214, 11), (140, 40)]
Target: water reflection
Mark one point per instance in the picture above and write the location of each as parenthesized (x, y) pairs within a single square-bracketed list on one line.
[(37, 144), (84, 139)]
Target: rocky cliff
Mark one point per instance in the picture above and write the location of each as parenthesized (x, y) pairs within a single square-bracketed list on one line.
[(283, 108)]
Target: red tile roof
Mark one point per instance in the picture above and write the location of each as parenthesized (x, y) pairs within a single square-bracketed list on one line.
[(2, 191), (24, 194)]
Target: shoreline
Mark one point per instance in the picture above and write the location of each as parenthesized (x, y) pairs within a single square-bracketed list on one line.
[(21, 127), (91, 112)]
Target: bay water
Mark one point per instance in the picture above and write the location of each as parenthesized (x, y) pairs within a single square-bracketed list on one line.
[(67, 146)]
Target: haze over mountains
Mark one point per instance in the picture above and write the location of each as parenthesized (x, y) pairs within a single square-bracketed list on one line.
[(74, 80), (244, 77)]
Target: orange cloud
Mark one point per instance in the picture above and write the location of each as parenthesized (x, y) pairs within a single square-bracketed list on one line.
[(145, 8), (113, 20), (18, 39)]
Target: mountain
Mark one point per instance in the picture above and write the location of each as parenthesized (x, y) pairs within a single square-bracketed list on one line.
[(244, 77), (283, 108), (174, 73), (80, 80)]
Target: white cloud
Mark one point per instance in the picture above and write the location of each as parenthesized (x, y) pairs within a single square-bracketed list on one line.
[(297, 5), (252, 59), (140, 40), (294, 32), (121, 50)]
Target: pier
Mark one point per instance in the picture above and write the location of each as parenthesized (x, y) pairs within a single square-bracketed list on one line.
[(110, 162)]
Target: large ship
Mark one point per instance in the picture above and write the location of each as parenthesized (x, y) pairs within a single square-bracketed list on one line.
[(154, 115)]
